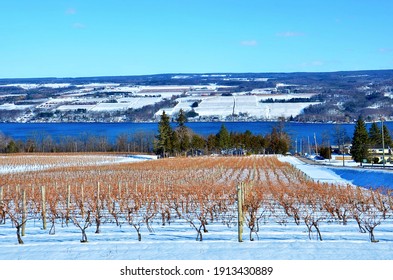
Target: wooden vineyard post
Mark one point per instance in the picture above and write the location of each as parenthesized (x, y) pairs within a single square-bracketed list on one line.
[(24, 210), (68, 202), (2, 217), (83, 201), (43, 202), (98, 214), (119, 190), (240, 199), (98, 191)]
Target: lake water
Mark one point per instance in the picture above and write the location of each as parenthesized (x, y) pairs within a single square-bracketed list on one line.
[(297, 131)]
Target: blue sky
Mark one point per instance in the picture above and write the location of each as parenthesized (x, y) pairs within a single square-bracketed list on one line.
[(71, 38)]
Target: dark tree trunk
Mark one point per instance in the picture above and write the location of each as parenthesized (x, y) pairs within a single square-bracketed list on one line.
[(84, 236), (18, 234), (98, 223), (52, 230)]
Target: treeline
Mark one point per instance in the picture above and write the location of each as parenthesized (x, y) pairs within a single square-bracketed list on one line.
[(375, 137), (140, 142), (183, 141), (169, 141)]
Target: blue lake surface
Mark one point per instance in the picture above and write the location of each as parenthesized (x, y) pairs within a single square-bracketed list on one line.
[(299, 131)]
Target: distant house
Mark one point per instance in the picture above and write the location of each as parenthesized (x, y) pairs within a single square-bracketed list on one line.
[(195, 153), (377, 154), (233, 152), (336, 149)]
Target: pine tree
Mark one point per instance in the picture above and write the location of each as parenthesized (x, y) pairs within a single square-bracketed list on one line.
[(375, 135), (175, 143), (181, 118), (163, 144), (183, 132), (360, 141), (387, 137), (223, 137), (197, 142)]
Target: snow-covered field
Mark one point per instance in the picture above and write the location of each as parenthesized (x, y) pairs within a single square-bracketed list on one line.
[(248, 104), (120, 98), (178, 242), (12, 106), (26, 163)]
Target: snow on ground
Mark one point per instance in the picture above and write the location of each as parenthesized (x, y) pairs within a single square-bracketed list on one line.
[(43, 162), (33, 86), (177, 242), (334, 172), (185, 103), (95, 85), (75, 107), (276, 110), (122, 104), (316, 172), (227, 105), (12, 106), (139, 102), (216, 105)]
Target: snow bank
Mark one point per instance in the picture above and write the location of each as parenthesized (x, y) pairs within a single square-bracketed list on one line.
[(315, 172)]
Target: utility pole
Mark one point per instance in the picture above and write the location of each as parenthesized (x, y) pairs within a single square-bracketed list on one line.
[(296, 146), (308, 143), (383, 144), (343, 142)]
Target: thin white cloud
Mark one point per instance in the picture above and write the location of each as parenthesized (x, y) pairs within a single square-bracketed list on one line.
[(70, 11), (385, 50), (290, 34), (249, 43), (78, 25)]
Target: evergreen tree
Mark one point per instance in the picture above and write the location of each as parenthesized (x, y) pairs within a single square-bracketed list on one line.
[(175, 143), (223, 137), (360, 142), (183, 132), (12, 147), (387, 138), (181, 118), (258, 144), (375, 135), (197, 142), (163, 144), (279, 140), (212, 143)]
